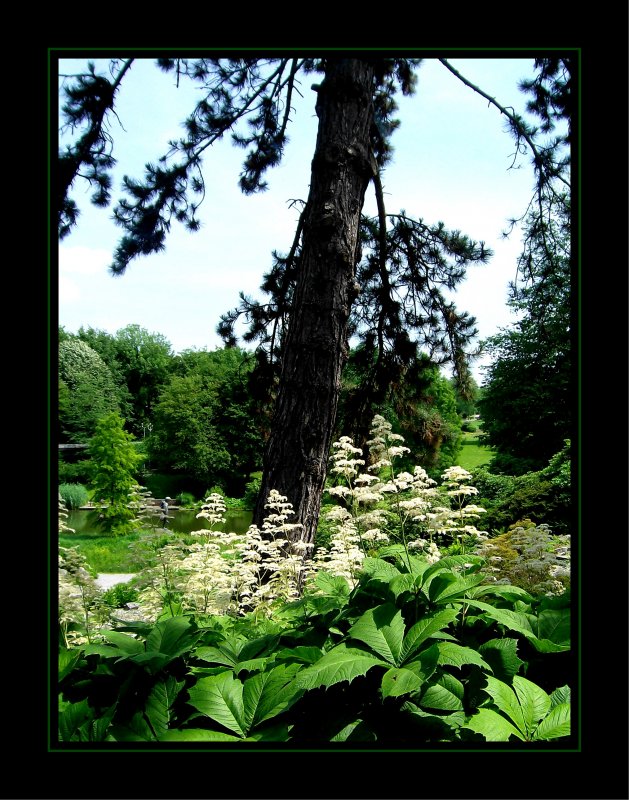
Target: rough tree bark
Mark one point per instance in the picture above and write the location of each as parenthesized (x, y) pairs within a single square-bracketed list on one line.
[(316, 348)]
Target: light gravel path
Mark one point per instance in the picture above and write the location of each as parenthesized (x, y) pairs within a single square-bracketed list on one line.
[(106, 580)]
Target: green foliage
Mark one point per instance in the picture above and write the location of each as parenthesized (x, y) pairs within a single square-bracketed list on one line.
[(544, 496), (530, 556), (74, 495), (185, 499), (252, 490), (335, 665), (87, 390), (527, 402), (120, 594), (115, 461), (204, 425), (140, 363)]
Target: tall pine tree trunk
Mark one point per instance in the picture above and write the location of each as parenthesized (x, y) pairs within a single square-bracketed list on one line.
[(316, 347)]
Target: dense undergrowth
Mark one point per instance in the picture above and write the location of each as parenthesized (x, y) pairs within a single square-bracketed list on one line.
[(406, 626)]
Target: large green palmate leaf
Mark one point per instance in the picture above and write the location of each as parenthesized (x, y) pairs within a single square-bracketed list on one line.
[(444, 587), (401, 584), (220, 698), (441, 698), (396, 682), (382, 629), (555, 724), (423, 630), (259, 647), (67, 661), (560, 695), (354, 732), (136, 730), (500, 590), (506, 700), (217, 655), (534, 701), (501, 655), (333, 585), (267, 694), (74, 715), (493, 726), (340, 664), (510, 619), (159, 701), (197, 735), (424, 664), (300, 654), (127, 644), (378, 569), (455, 655), (172, 637), (554, 625)]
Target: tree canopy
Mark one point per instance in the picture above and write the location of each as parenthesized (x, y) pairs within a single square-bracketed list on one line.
[(344, 276)]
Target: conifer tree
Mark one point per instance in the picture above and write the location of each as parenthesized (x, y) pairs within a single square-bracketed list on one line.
[(321, 292)]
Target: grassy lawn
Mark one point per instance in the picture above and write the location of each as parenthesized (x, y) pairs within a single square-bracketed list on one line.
[(472, 453)]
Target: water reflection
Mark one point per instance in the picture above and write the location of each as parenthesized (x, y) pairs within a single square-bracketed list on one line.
[(179, 520)]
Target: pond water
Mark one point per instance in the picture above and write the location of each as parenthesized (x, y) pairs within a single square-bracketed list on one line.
[(180, 520)]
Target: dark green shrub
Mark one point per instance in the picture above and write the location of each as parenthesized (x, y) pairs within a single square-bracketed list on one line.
[(185, 499), (252, 490), (74, 495), (74, 471), (119, 595)]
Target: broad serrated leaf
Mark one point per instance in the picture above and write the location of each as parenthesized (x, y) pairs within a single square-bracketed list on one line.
[(378, 569), (554, 625), (513, 620), (252, 665), (268, 694), (332, 584), (340, 664), (104, 650), (159, 701), (534, 702), (220, 698), (454, 655), (546, 646), (401, 584), (257, 648), (197, 735), (301, 654), (127, 644), (425, 663), (75, 715), (137, 729), (560, 695), (396, 682), (67, 661), (172, 637), (500, 590), (423, 630), (493, 726), (273, 733), (501, 655), (440, 698), (448, 562), (382, 629), (217, 655), (452, 684), (442, 589), (354, 732), (555, 724), (506, 700)]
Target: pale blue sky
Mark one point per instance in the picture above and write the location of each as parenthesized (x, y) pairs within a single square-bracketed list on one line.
[(451, 163)]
